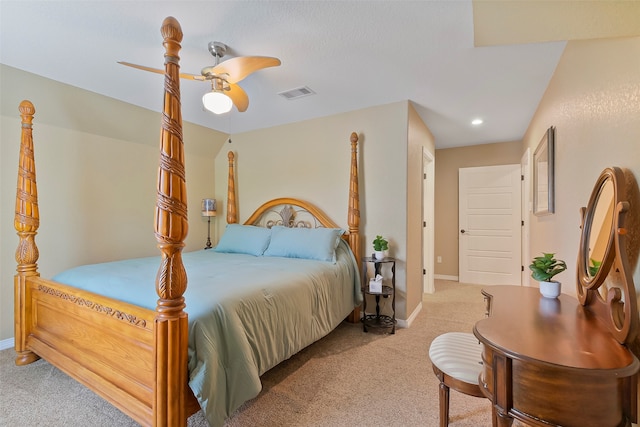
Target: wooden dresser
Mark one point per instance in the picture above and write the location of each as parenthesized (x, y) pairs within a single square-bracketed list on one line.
[(566, 361), (551, 362)]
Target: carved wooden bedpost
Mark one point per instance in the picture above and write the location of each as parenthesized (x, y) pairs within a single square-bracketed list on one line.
[(354, 212), (26, 223), (232, 212), (171, 226)]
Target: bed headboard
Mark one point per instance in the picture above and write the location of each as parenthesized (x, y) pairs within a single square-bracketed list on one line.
[(289, 212), (297, 213)]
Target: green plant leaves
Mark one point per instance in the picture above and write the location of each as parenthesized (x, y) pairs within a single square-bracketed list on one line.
[(380, 244), (543, 268)]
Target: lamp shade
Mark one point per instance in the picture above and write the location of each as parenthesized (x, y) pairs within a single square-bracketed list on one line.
[(208, 207), (217, 102)]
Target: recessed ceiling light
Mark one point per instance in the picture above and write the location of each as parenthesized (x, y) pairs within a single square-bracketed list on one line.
[(476, 122)]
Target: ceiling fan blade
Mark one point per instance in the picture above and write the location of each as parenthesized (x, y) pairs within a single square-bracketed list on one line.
[(240, 67), (156, 70), (238, 96)]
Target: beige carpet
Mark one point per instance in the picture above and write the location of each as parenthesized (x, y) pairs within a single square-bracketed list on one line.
[(348, 378)]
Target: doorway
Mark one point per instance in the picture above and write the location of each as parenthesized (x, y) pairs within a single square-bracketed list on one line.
[(428, 221), (490, 225)]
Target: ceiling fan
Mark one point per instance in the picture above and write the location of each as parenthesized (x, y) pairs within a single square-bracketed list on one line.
[(224, 77)]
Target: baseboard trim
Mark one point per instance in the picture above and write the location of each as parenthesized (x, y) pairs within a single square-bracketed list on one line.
[(445, 277), (407, 323), (8, 343)]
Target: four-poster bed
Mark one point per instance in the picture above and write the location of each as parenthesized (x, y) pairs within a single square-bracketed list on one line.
[(137, 357)]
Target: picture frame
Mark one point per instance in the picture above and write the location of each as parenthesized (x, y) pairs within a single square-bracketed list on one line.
[(544, 175)]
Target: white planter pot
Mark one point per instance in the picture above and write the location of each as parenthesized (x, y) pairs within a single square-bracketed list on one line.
[(550, 289), (378, 254)]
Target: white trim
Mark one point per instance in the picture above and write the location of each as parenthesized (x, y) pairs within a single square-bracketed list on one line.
[(526, 206), (445, 277), (406, 323), (428, 220), (8, 343)]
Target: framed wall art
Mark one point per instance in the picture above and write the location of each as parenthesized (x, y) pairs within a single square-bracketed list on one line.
[(543, 175)]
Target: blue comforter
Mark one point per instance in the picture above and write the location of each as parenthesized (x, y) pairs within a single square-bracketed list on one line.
[(246, 313)]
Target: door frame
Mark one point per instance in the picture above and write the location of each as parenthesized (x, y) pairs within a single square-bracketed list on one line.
[(428, 221), (525, 210)]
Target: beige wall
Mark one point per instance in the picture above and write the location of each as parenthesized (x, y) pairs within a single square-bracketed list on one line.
[(448, 161), (593, 100), (310, 160), (96, 165)]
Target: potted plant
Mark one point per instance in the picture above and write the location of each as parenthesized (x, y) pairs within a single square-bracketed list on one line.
[(380, 244), (543, 268)]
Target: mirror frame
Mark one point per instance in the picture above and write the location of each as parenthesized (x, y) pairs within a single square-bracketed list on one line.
[(616, 305), (545, 153)]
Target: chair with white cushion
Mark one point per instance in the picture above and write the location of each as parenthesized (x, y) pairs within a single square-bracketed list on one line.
[(457, 361)]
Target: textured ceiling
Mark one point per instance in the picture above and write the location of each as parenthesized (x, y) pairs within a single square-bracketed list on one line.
[(352, 54)]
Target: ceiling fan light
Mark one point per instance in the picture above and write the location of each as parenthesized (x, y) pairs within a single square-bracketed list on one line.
[(217, 102)]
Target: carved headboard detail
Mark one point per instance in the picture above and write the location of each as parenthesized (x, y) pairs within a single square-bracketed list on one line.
[(289, 217), (290, 213)]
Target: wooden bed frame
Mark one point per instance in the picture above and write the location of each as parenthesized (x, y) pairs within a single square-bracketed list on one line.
[(135, 358)]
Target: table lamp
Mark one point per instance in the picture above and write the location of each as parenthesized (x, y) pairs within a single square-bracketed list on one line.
[(208, 210)]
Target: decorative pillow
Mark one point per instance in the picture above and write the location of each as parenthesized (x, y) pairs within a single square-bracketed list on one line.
[(244, 239), (310, 243)]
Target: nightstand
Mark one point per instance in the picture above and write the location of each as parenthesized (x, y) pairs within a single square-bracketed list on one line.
[(385, 267)]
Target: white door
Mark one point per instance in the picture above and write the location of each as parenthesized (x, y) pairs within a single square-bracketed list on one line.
[(489, 222)]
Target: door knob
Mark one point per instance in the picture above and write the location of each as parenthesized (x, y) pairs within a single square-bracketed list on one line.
[(462, 231)]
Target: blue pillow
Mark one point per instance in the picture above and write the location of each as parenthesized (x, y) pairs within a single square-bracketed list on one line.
[(310, 243), (244, 239)]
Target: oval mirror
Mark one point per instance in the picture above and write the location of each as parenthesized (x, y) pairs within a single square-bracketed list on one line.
[(596, 246), (605, 282), (600, 232)]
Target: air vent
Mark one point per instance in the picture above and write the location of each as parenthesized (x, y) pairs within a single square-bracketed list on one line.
[(296, 93)]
